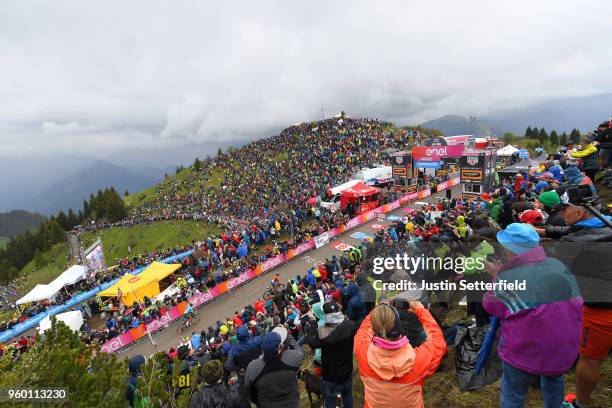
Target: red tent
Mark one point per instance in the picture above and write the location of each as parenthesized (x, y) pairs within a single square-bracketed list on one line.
[(366, 198)]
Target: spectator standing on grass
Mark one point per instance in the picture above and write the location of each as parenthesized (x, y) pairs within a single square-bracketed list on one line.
[(540, 324), (392, 371), (335, 338), (588, 156), (133, 393), (356, 308), (585, 248), (215, 393), (271, 380)]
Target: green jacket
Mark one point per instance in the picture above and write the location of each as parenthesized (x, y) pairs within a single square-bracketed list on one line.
[(496, 210), (481, 251)]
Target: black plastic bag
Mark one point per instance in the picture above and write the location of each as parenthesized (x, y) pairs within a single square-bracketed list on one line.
[(466, 356)]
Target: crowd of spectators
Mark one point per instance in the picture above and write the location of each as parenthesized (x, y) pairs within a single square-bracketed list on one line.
[(256, 354), (398, 344), (261, 197)]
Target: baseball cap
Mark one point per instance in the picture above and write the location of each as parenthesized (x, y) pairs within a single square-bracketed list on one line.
[(571, 196), (531, 217), (271, 343), (281, 331), (331, 307)]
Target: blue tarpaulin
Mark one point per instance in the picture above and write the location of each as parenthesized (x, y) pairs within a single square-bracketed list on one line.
[(52, 311)]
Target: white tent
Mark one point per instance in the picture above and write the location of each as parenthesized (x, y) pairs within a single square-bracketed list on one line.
[(71, 275), (507, 150), (41, 292), (74, 320)]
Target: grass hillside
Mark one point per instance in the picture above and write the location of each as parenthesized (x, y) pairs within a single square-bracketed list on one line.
[(145, 238), (42, 269), (3, 242)]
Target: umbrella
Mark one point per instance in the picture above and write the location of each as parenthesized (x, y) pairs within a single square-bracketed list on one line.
[(485, 348)]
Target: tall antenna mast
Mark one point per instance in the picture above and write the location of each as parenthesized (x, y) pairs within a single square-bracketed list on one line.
[(322, 110)]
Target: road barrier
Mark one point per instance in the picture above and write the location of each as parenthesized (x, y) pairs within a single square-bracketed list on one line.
[(128, 338)]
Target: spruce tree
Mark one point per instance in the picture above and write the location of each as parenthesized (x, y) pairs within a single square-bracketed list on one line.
[(554, 138), (61, 359), (72, 219), (563, 139), (508, 137), (535, 133), (62, 220), (197, 164), (543, 136), (529, 133), (575, 136)]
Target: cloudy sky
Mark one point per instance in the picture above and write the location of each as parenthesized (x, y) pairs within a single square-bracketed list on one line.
[(161, 81)]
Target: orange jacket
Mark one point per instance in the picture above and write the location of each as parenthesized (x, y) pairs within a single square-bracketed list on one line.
[(394, 378)]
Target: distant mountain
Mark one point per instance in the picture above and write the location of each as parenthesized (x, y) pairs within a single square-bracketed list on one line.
[(70, 192), (563, 114), (452, 125), (15, 222)]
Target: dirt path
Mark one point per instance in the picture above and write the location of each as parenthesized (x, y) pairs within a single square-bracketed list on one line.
[(75, 248)]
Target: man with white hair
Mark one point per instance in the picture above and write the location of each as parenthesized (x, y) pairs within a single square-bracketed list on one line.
[(585, 249)]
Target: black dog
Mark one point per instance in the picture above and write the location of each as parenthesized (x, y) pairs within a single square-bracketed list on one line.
[(313, 385)]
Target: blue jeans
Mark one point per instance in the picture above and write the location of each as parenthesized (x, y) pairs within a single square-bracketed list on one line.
[(515, 384), (331, 391)]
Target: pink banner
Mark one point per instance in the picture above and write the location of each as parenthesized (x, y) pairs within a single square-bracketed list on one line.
[(303, 247), (176, 312), (353, 222), (450, 183), (272, 262)]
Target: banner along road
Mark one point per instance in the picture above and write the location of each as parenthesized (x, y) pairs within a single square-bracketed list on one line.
[(226, 305)]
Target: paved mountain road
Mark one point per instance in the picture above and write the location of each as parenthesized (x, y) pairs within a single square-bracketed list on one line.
[(226, 305)]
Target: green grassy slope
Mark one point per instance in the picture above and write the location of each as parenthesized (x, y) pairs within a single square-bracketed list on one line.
[(43, 269), (147, 237), (3, 242)]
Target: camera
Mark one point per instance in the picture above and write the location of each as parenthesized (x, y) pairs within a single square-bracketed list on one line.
[(581, 195)]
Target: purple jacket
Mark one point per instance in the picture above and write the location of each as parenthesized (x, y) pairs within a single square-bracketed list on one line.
[(543, 337)]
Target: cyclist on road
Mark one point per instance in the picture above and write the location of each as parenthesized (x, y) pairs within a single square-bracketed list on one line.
[(188, 313)]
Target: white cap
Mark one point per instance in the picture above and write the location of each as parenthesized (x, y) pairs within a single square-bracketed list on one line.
[(282, 332)]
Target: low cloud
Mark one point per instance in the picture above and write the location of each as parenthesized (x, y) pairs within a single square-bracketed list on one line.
[(150, 76)]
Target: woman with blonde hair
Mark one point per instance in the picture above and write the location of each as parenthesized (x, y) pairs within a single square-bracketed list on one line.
[(392, 371)]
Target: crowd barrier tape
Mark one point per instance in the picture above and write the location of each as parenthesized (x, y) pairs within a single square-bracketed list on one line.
[(172, 315)]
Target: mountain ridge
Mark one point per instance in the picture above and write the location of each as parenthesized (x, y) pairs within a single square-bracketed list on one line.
[(72, 190), (18, 221)]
